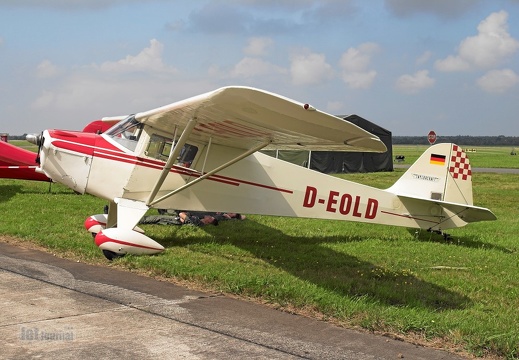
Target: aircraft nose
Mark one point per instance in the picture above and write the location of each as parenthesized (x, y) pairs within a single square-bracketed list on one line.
[(66, 157), (34, 139), (37, 139)]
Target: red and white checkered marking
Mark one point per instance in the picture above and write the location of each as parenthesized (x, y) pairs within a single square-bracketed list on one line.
[(459, 166)]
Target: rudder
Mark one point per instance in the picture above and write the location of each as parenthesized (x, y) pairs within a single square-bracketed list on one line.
[(442, 172)]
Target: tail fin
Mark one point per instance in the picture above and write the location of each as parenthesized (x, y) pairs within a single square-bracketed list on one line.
[(442, 173)]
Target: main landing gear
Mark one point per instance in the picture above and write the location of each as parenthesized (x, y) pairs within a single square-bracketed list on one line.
[(442, 233), (110, 255)]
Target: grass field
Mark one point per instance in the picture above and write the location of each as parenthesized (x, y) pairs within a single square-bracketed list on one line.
[(461, 294), (480, 156)]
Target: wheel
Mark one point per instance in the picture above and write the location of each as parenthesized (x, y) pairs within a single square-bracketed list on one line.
[(110, 255)]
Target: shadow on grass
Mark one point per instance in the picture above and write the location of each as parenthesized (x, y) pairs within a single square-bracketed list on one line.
[(457, 240), (314, 260), (52, 189), (8, 191), (16, 186)]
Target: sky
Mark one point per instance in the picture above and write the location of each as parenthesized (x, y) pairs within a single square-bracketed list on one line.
[(410, 66)]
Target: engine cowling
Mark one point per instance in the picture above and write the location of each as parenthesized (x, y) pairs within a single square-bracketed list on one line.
[(115, 242)]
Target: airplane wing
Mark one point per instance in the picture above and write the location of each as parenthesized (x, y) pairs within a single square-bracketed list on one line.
[(243, 117)]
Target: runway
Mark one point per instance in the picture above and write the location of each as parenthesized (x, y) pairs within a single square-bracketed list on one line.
[(61, 309)]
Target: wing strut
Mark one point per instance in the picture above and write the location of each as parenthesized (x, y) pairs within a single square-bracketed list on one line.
[(207, 153), (173, 154), (212, 172)]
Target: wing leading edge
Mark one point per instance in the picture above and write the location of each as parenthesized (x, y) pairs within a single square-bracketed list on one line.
[(244, 117)]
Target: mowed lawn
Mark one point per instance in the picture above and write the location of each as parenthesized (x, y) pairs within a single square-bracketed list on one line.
[(461, 294), (480, 156)]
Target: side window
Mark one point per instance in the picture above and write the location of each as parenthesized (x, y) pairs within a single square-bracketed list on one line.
[(187, 155), (160, 147)]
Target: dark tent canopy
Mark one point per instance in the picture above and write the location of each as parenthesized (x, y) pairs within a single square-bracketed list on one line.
[(343, 161)]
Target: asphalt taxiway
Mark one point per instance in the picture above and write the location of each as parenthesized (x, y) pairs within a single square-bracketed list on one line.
[(61, 309)]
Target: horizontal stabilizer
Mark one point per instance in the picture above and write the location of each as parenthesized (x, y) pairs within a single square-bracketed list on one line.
[(467, 213)]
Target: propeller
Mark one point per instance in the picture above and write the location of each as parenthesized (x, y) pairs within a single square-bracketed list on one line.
[(36, 139)]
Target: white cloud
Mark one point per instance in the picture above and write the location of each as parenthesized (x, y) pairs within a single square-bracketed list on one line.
[(46, 69), (412, 84), (310, 69), (488, 49), (258, 46), (360, 80), (422, 59), (149, 59), (252, 67), (45, 99), (355, 63), (334, 107), (358, 59), (498, 81), (82, 90), (89, 94)]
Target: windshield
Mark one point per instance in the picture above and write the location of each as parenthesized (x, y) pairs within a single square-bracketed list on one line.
[(126, 132)]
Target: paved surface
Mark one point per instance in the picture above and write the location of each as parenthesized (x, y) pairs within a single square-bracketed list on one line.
[(60, 309)]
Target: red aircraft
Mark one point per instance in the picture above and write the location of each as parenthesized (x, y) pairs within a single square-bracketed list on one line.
[(18, 163)]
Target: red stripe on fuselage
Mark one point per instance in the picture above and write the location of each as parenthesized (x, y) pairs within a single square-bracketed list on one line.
[(259, 185), (83, 143), (79, 142)]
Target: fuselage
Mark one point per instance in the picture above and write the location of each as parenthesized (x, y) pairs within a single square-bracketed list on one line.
[(115, 166)]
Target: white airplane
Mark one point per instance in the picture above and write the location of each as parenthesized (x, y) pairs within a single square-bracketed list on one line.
[(201, 154)]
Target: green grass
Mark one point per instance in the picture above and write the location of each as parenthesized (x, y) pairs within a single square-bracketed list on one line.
[(462, 293), (24, 145), (479, 156)]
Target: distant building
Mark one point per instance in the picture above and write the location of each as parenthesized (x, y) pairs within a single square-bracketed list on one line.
[(344, 161)]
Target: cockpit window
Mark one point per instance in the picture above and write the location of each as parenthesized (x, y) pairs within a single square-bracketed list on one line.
[(126, 132), (160, 148)]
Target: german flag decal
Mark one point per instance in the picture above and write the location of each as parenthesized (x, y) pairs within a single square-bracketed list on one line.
[(437, 159)]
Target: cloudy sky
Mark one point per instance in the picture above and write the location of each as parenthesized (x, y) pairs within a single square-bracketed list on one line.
[(408, 65)]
